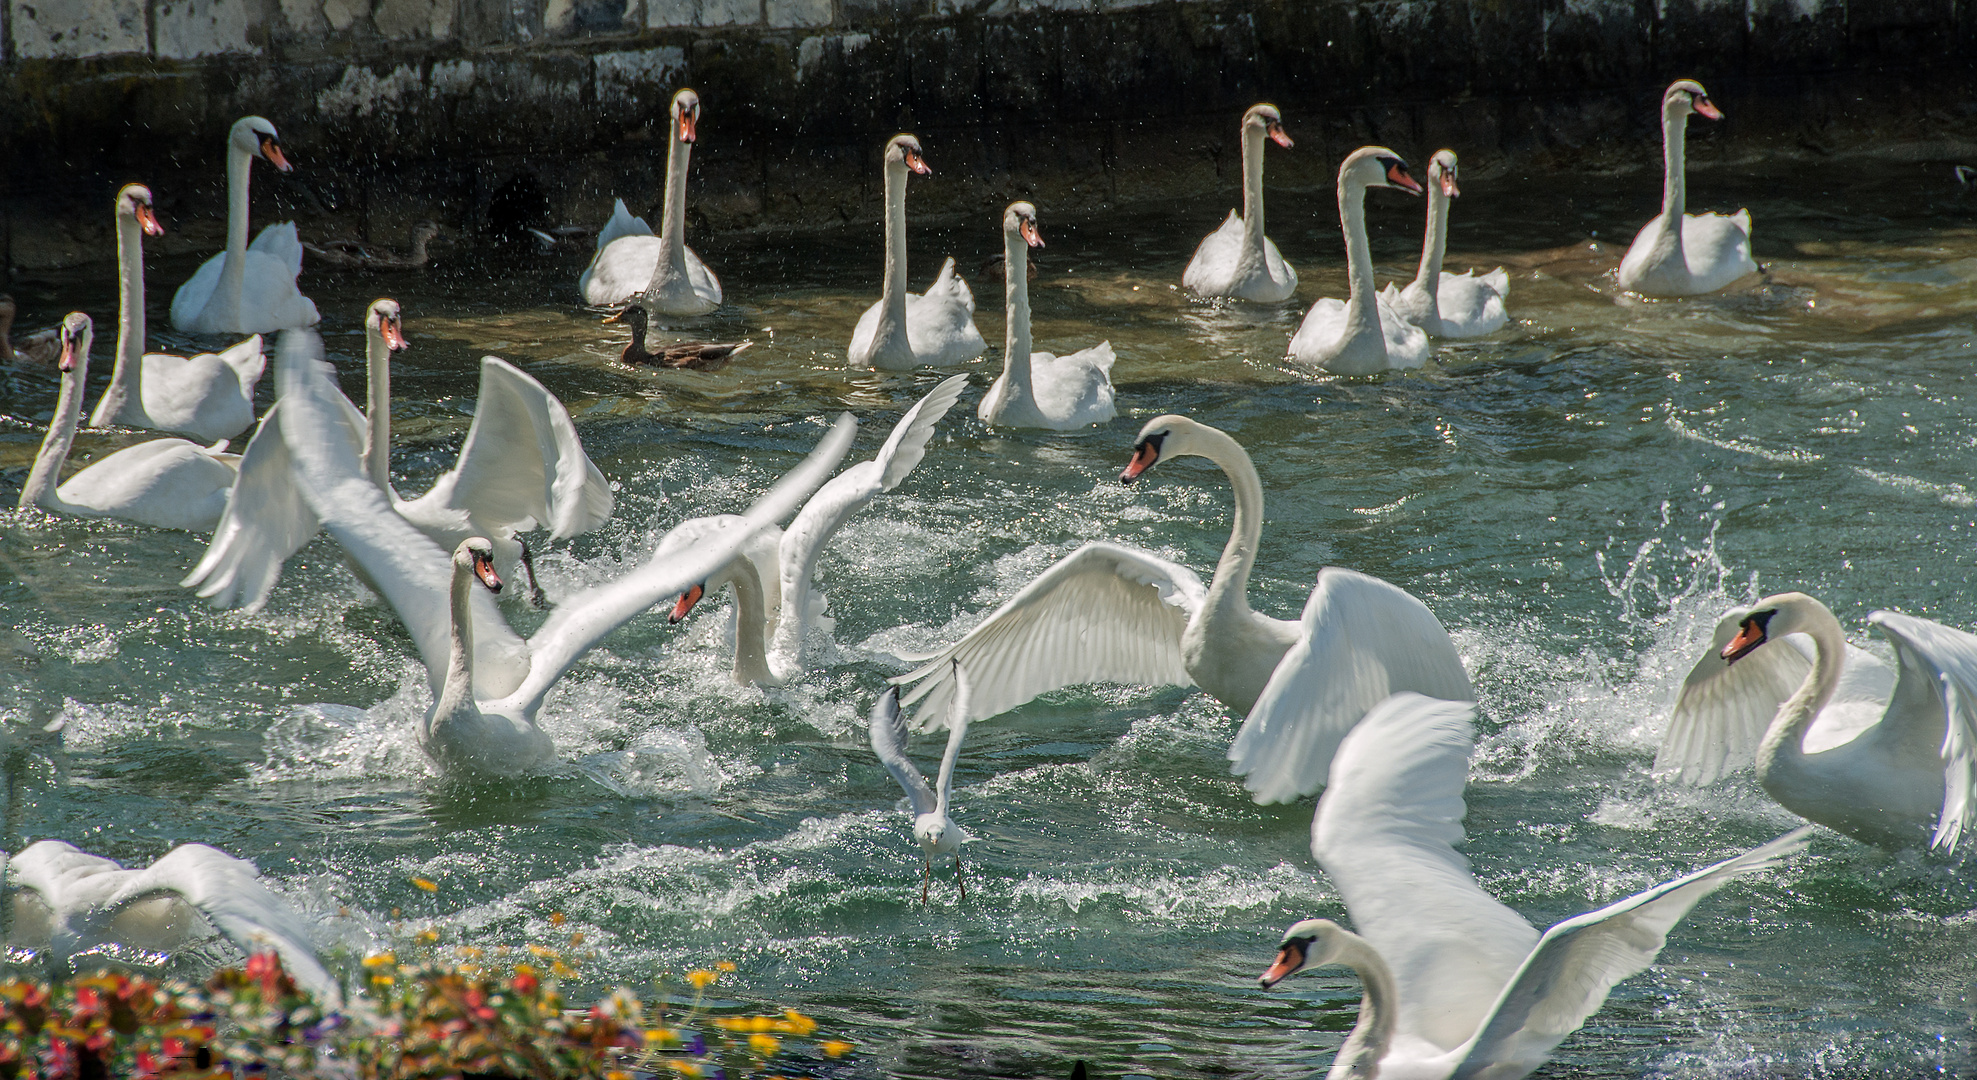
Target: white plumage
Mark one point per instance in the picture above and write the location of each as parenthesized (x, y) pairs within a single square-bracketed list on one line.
[(1444, 304), (1038, 389), (247, 289), (631, 262), (1360, 335), (905, 330), (1238, 260), (1677, 253)]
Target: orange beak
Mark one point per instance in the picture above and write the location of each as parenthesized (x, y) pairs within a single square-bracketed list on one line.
[(1289, 959), (271, 150), (917, 163), (1448, 185), (1397, 176), (1277, 135), (687, 600), (1707, 108), (484, 569), (394, 336), (148, 218), (1144, 455), (67, 361), (686, 126), (1749, 636), (1028, 229)]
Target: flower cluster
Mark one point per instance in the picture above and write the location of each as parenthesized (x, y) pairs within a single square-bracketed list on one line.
[(107, 1025)]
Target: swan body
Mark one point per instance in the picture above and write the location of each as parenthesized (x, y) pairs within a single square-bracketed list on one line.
[(904, 330), (1360, 336), (247, 289), (166, 483), (1444, 304), (68, 902), (1106, 613), (1677, 253), (1238, 260), (933, 827), (210, 396), (1904, 779), (521, 467), (1037, 389), (1457, 984), (631, 262), (488, 683), (775, 603)]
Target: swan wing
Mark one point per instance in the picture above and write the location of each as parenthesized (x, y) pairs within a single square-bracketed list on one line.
[(889, 743), (1103, 613), (1212, 270), (522, 466), (266, 520), (1385, 833), (67, 879), (907, 444), (249, 361), (1931, 721), (1361, 639), (1723, 708), (1579, 961), (281, 241), (623, 223), (582, 620), (189, 302), (940, 323)]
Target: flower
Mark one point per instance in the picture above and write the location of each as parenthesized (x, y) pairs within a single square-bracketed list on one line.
[(525, 980), (701, 979), (796, 1023), (376, 960), (724, 965), (428, 886), (557, 918), (836, 1048), (765, 1045)]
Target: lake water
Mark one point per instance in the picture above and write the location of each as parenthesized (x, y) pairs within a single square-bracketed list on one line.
[(1577, 497)]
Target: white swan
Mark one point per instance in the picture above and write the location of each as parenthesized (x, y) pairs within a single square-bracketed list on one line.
[(68, 902), (904, 330), (935, 830), (1037, 389), (630, 261), (487, 683), (247, 290), (167, 483), (1237, 259), (1680, 254), (210, 396), (521, 467), (1448, 305), (1360, 336), (775, 604), (1106, 613), (1456, 984), (1906, 778)]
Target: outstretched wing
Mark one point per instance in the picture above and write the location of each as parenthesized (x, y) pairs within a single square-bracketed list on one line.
[(1103, 613), (889, 743), (64, 877), (1360, 640), (1579, 961), (1723, 708), (522, 466), (1385, 832), (266, 521), (1931, 721)]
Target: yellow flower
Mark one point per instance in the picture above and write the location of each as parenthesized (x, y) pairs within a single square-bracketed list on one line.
[(765, 1045), (835, 1048), (468, 952), (557, 918), (426, 937), (724, 965), (701, 979), (616, 1074), (542, 953), (428, 886), (731, 1023), (562, 970), (383, 959), (383, 980), (576, 939), (659, 1036), (760, 1023), (796, 1023), (685, 1068)]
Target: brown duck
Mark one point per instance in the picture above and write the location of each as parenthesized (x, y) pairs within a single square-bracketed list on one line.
[(697, 355)]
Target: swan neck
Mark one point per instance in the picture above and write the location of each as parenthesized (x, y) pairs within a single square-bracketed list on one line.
[(893, 300), (672, 229), (751, 625), (1252, 186), (457, 691), (1230, 588), (1434, 243), (130, 322), (377, 409), (233, 274), (1674, 179), (1358, 253), (40, 487), (1359, 1057), (1016, 306), (1784, 740)]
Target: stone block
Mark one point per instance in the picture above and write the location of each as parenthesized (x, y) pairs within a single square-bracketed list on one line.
[(643, 78), (798, 12), (664, 13), (361, 92), (730, 12), (57, 28), (413, 19), (189, 28)]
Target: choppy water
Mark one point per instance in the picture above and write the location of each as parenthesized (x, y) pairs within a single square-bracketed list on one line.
[(1577, 497)]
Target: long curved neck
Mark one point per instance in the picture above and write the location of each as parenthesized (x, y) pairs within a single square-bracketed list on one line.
[(1783, 747), (672, 230), (1358, 255), (1230, 588), (130, 323), (1359, 1057), (1252, 187), (1016, 307), (892, 303), (751, 625), (1434, 243), (457, 691), (40, 487), (1674, 183), (240, 169), (377, 409)]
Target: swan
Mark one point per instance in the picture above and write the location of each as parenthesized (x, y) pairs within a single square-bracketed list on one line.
[(1457, 984), (487, 683), (1107, 613), (1448, 305), (904, 330), (69, 902), (932, 827), (1237, 259), (1902, 780), (1039, 390), (210, 396), (167, 483), (247, 290), (691, 355), (775, 605), (1708, 251), (1360, 336), (522, 467), (631, 262)]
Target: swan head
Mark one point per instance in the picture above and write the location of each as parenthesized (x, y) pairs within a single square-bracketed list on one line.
[(1164, 437), (1269, 121), (386, 321), (1441, 170), (1377, 166), (904, 152), (1773, 617), (476, 556), (686, 115), (1685, 96), (134, 201), (1308, 944), (256, 137), (76, 334), (757, 557), (1021, 218)]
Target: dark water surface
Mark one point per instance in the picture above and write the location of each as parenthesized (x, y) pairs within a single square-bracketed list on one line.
[(1578, 497)]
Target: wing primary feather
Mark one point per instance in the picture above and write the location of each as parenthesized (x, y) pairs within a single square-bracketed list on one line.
[(888, 727)]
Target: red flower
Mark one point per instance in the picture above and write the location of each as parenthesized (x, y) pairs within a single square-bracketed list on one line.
[(526, 983)]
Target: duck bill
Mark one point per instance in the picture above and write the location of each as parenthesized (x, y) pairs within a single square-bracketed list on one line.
[(1749, 636), (1706, 107), (1289, 959), (686, 602), (1144, 455), (1278, 136), (917, 163), (148, 220), (1030, 233), (271, 150), (1398, 177), (484, 570)]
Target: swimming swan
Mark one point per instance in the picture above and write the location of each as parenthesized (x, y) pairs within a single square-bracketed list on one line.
[(904, 330), (1360, 336), (1903, 780), (932, 826), (1456, 984), (1448, 305), (247, 290), (1107, 613), (631, 262), (1679, 254), (1237, 259), (1037, 389)]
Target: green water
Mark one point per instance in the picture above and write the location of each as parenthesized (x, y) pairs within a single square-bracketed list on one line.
[(1577, 497)]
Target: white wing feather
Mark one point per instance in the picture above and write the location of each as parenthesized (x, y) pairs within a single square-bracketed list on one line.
[(1361, 640), (888, 726), (1931, 720), (1723, 708), (265, 522)]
